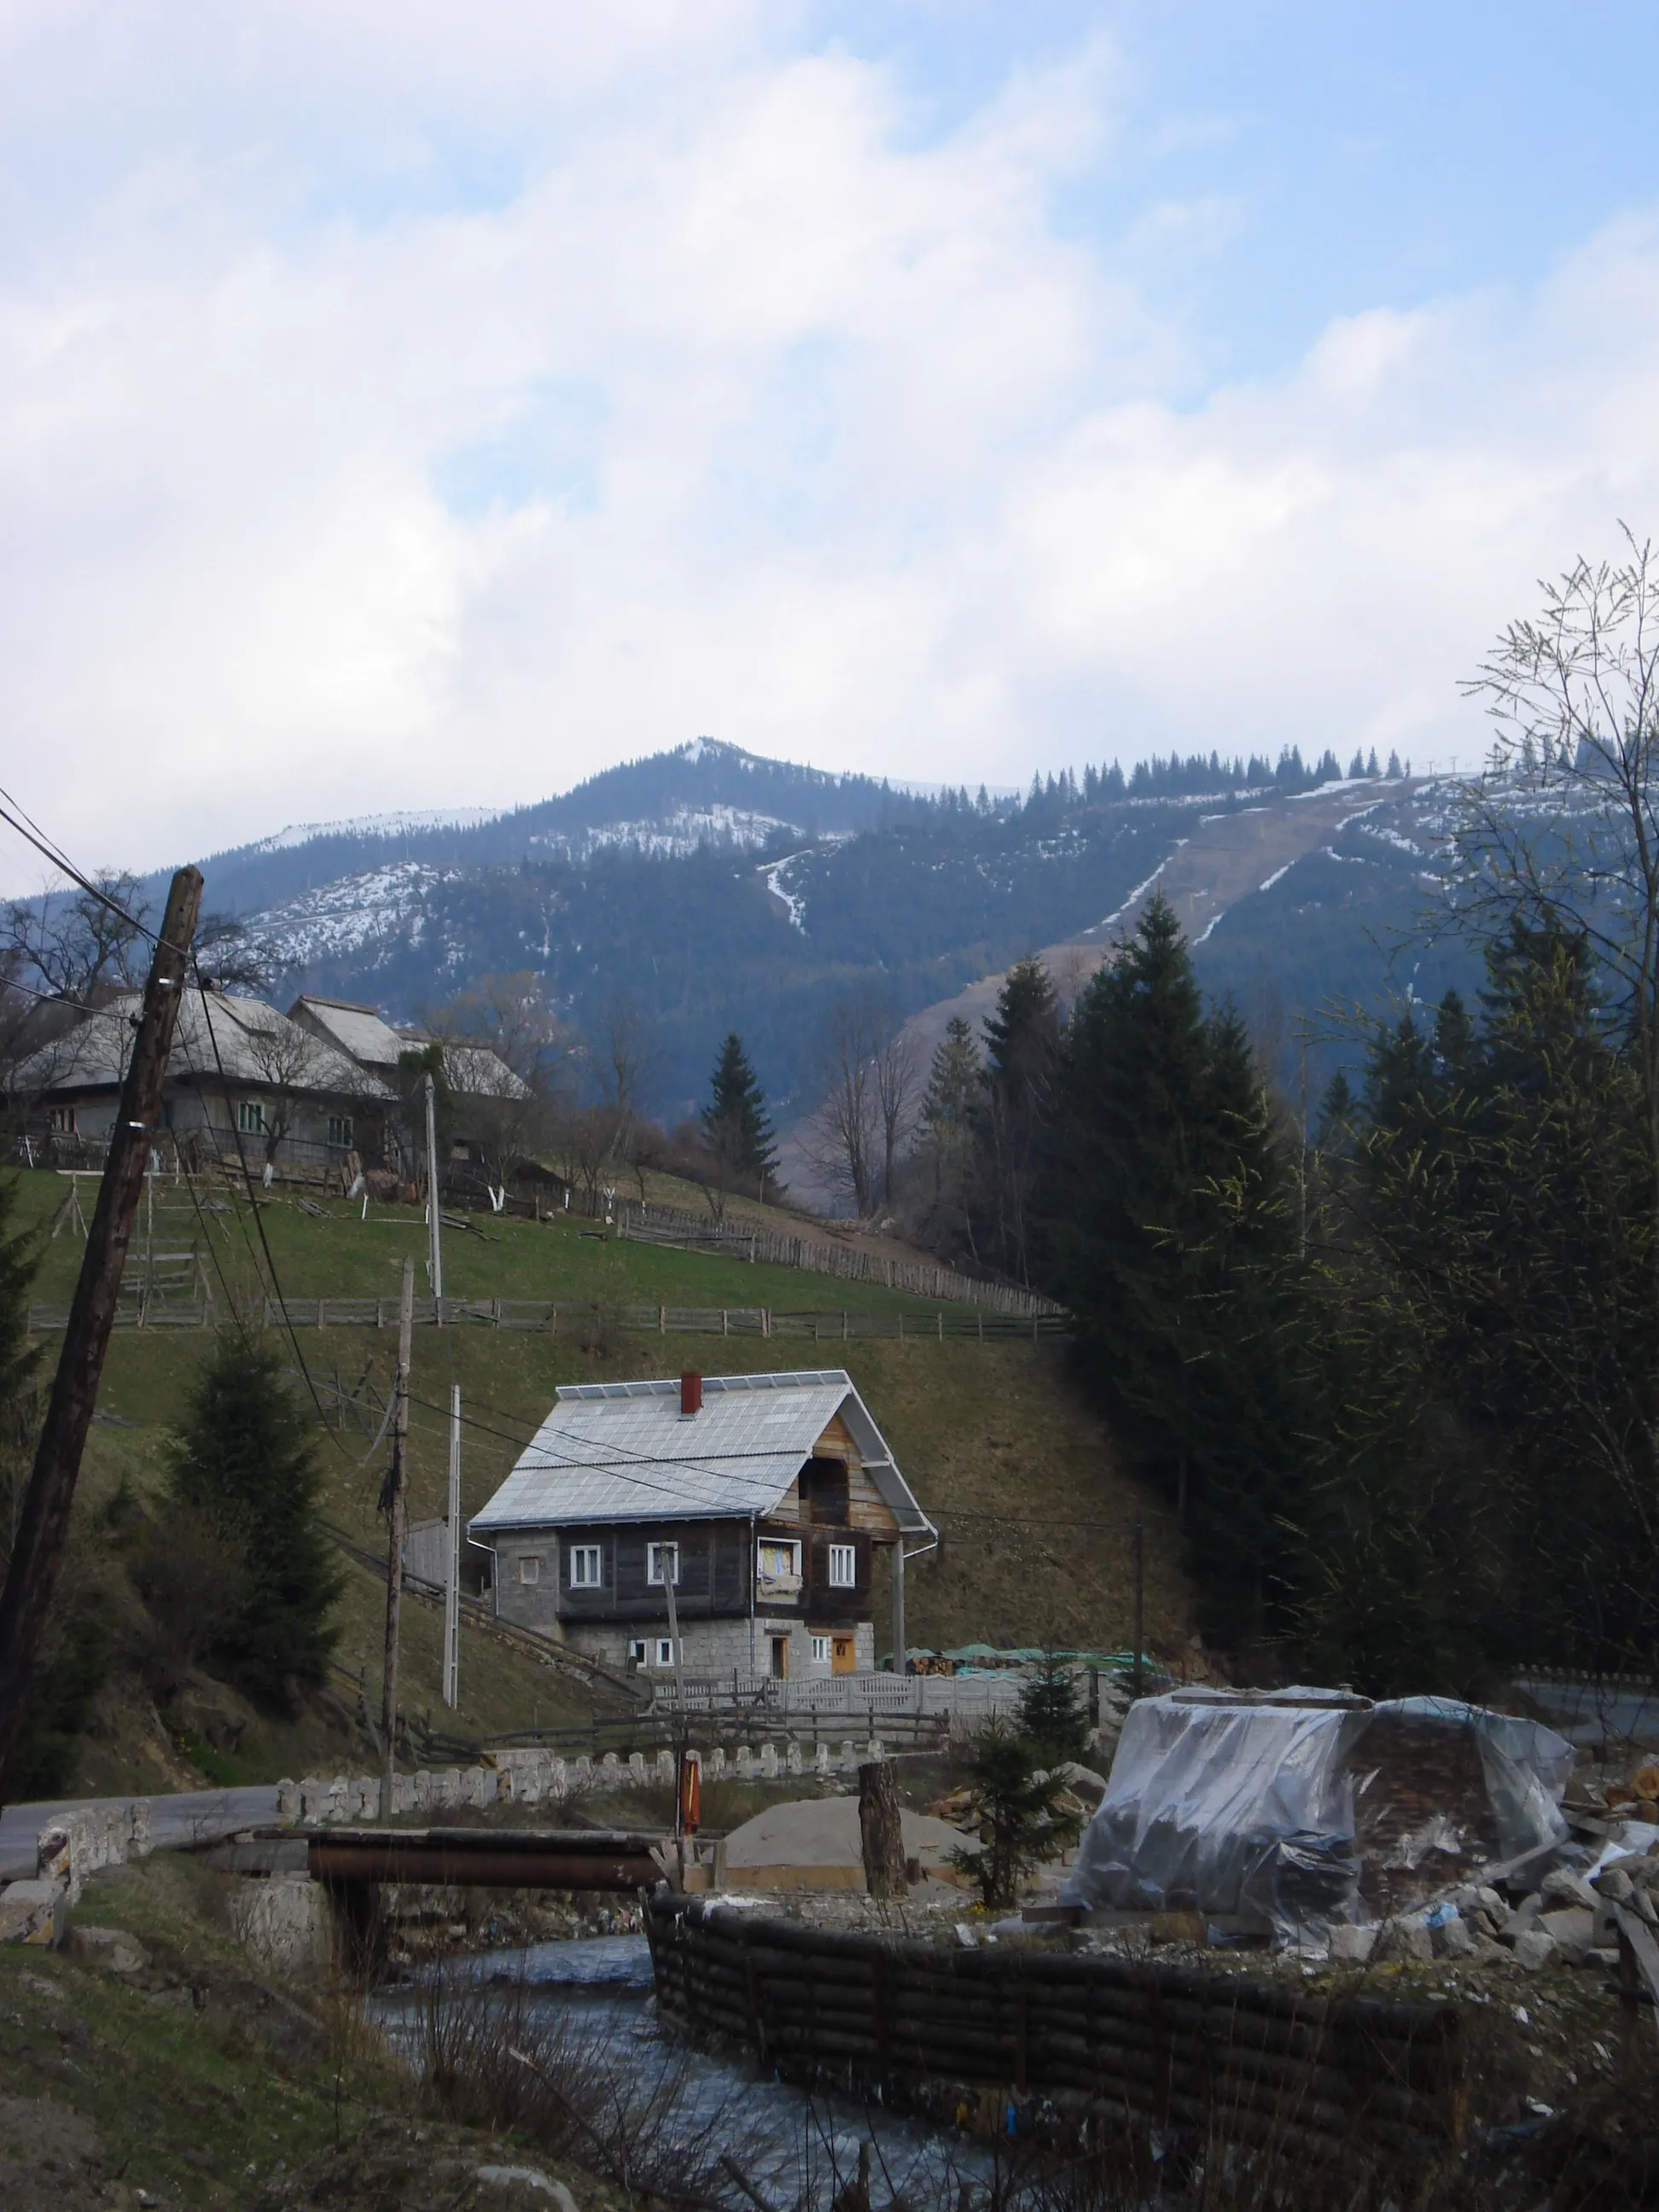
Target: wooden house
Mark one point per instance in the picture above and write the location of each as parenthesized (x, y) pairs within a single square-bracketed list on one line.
[(764, 1500)]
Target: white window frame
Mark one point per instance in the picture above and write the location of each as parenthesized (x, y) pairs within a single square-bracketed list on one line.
[(637, 1648), (843, 1567), (664, 1651), (529, 1566), (587, 1566), (250, 1117), (824, 1649), (654, 1564)]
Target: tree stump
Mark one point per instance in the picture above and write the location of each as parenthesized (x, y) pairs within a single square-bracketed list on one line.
[(879, 1830)]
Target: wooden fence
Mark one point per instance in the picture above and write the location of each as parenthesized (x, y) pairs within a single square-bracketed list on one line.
[(980, 1323), (1165, 2047), (662, 1224)]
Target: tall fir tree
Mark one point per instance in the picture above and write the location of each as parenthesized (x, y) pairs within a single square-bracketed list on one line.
[(735, 1121), (244, 1458), (1172, 1241), (1023, 1045)]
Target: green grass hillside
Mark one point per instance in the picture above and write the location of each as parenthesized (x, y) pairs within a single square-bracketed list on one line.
[(994, 1437), (345, 1256)]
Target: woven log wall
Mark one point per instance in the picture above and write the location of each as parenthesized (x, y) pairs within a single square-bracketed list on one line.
[(1162, 2046)]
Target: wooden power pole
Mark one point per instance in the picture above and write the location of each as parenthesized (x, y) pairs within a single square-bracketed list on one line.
[(397, 1491), (38, 1553)]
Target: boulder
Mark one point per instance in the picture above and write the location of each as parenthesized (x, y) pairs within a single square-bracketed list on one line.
[(1351, 1947), (31, 1912), (1405, 1939), (1571, 1928), (1614, 1884), (112, 1948), (1534, 1949), (1561, 1885), (1455, 1939)]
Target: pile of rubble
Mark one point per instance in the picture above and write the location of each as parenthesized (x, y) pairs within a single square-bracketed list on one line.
[(1570, 1918)]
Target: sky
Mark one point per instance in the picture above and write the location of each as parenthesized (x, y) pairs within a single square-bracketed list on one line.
[(427, 406)]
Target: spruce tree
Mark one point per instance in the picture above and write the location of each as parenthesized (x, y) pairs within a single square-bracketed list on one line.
[(1172, 1241), (735, 1121), (244, 1460), (1051, 1718), (1022, 1038)]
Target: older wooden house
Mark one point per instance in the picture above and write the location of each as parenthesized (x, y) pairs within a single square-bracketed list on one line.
[(764, 1501)]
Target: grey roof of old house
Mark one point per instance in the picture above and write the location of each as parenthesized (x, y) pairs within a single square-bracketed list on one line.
[(249, 1042), (359, 1031), (474, 1071), (623, 1451)]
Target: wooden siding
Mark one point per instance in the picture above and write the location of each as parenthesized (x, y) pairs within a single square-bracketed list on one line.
[(713, 1579)]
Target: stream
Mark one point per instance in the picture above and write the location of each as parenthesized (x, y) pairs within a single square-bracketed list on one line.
[(585, 2010)]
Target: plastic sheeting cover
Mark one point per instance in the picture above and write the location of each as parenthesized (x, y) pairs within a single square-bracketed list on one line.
[(1249, 1810)]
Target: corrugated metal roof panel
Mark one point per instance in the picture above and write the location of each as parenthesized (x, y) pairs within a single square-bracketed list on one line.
[(623, 1451)]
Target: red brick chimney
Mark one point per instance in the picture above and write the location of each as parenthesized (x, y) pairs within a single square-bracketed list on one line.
[(691, 1393)]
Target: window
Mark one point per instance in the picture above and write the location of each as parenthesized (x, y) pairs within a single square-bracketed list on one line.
[(636, 1652), (820, 1650), (530, 1567), (662, 1562), (653, 1651), (664, 1651), (843, 1567), (779, 1562), (250, 1117), (586, 1569), (61, 1120), (339, 1131)]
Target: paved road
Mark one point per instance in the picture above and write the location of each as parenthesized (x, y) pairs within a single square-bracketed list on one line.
[(194, 1816), (1585, 1715)]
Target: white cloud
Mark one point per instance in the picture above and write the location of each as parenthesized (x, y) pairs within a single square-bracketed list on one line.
[(775, 418)]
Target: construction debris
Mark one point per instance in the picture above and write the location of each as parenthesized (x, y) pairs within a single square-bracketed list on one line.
[(1282, 1814)]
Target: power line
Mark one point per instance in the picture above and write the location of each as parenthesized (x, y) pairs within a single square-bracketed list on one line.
[(32, 833)]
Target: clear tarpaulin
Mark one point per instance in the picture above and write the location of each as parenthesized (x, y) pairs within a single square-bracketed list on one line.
[(1246, 1807)]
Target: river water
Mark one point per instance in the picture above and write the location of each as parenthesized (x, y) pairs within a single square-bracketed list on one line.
[(584, 2011)]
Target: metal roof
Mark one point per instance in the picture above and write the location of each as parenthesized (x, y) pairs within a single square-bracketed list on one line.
[(623, 1451), (358, 1031), (249, 1040)]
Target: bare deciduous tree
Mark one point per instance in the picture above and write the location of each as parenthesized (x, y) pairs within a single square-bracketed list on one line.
[(845, 1146), (76, 942), (1574, 697), (897, 1071)]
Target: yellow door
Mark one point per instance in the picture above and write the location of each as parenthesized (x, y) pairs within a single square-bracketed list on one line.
[(842, 1660)]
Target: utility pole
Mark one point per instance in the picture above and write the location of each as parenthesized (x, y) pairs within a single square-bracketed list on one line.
[(43, 1526), (452, 1560), (394, 1499), (435, 1256)]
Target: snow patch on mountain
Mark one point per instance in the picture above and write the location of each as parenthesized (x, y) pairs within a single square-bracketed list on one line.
[(671, 836), (340, 920), (377, 825), (779, 890)]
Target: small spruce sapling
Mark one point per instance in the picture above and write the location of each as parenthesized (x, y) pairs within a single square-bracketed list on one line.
[(1021, 1821), (1051, 1718)]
